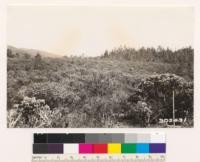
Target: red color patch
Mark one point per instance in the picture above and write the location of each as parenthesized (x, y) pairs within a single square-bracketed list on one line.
[(100, 148)]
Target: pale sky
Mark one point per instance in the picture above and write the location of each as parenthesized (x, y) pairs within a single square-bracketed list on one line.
[(65, 30)]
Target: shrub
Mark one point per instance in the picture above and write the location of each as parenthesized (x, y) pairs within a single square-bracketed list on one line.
[(30, 113), (157, 91)]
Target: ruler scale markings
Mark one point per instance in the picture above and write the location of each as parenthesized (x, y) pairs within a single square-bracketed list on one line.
[(88, 157)]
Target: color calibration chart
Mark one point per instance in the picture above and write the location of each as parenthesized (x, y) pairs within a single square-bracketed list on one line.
[(115, 147)]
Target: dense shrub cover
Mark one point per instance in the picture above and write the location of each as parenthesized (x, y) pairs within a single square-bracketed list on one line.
[(107, 91), (30, 113), (158, 89)]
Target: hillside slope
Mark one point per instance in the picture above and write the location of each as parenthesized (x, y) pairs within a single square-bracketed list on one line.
[(31, 52), (87, 92)]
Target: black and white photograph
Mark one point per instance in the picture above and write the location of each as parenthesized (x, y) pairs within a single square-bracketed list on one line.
[(100, 66)]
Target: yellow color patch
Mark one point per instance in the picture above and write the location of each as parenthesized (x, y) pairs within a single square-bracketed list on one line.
[(114, 148)]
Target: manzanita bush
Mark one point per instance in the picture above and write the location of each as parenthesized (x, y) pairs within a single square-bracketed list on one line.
[(30, 112)]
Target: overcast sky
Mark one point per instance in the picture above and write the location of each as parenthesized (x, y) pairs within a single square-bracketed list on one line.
[(65, 30)]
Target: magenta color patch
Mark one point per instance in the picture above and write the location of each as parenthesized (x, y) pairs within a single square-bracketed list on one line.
[(85, 148)]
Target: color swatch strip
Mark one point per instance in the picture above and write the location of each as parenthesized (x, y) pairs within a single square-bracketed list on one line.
[(111, 148), (99, 138), (99, 143)]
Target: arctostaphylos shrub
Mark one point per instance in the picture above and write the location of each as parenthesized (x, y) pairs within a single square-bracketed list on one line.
[(158, 91), (31, 112)]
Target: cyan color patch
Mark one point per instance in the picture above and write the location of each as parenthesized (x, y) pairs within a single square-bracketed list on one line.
[(142, 148)]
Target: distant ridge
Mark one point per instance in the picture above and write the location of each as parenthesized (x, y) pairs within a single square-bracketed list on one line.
[(32, 52)]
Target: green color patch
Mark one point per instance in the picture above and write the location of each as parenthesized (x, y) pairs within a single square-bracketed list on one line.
[(128, 148)]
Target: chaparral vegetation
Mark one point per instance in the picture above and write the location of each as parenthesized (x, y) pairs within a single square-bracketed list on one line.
[(125, 87)]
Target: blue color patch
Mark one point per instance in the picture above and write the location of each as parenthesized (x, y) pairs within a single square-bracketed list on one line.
[(142, 148)]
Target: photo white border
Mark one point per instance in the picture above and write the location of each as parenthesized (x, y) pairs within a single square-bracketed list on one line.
[(17, 142)]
